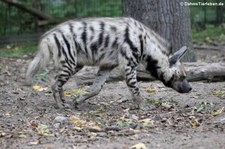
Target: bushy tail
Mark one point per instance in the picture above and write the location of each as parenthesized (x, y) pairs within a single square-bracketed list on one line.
[(40, 61)]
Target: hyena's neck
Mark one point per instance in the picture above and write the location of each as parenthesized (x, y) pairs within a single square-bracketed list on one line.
[(159, 70), (156, 57)]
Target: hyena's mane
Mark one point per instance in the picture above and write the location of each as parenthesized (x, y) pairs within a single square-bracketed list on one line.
[(165, 46)]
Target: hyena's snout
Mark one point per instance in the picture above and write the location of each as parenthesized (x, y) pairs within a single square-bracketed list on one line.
[(183, 86)]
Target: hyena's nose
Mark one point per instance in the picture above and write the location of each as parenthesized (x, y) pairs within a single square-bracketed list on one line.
[(189, 89)]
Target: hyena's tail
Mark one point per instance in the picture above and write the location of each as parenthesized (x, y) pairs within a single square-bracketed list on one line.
[(40, 61)]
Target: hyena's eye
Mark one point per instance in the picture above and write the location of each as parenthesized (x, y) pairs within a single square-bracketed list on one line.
[(182, 77)]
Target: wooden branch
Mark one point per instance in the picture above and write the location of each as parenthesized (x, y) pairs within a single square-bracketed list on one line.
[(195, 72), (32, 11), (47, 22), (207, 47)]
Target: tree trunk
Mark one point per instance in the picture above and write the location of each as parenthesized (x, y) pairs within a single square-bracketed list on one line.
[(219, 14), (168, 18)]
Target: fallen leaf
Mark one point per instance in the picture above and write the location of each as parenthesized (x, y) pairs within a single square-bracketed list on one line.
[(99, 111), (139, 146), (217, 93), (134, 137), (147, 122), (155, 102), (123, 123), (66, 93), (33, 143), (166, 105), (34, 123), (201, 107), (195, 123), (151, 89), (22, 136), (42, 126), (79, 91), (76, 121), (94, 128), (2, 134), (104, 103), (39, 88), (218, 112), (43, 130), (8, 114), (77, 128)]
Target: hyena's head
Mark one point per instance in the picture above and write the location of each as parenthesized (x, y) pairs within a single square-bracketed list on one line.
[(178, 80)]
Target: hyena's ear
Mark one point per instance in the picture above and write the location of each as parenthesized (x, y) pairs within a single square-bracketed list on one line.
[(178, 55)]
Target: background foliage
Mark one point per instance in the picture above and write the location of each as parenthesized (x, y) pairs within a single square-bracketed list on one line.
[(14, 21)]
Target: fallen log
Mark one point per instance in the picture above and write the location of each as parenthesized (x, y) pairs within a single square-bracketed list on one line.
[(217, 48), (195, 72), (205, 71)]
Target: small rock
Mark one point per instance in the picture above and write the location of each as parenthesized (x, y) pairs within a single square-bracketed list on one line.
[(102, 134), (56, 125), (60, 119), (219, 119), (135, 117), (19, 60), (139, 146), (79, 129)]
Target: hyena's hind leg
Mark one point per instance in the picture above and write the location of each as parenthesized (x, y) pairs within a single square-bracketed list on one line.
[(131, 80), (96, 87), (57, 89), (60, 80)]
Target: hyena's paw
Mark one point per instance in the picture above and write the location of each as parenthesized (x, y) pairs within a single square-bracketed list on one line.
[(140, 104), (59, 105), (143, 106), (63, 105), (66, 106), (78, 100)]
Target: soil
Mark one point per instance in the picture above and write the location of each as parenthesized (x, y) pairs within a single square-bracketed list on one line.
[(29, 117)]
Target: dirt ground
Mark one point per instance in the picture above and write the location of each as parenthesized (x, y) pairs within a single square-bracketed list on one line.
[(29, 117)]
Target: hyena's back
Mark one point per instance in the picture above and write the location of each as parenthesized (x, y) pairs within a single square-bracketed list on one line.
[(94, 41)]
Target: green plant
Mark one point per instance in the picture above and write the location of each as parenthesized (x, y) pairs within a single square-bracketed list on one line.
[(13, 50), (210, 32)]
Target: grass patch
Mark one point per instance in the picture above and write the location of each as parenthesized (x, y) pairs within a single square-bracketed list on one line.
[(18, 50), (211, 32)]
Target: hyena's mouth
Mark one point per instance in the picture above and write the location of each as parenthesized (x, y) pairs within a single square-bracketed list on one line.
[(184, 87)]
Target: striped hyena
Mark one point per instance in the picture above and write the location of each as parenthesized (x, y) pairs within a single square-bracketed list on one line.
[(108, 43)]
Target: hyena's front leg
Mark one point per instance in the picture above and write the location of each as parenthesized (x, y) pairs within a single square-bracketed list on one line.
[(131, 80), (102, 75)]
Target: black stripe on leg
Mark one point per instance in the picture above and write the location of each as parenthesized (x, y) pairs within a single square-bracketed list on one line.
[(69, 69)]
